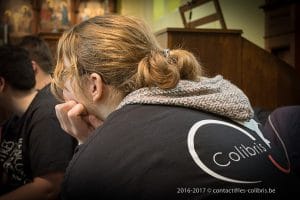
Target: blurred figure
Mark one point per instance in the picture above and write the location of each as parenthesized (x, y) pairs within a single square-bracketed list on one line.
[(34, 150), (283, 128), (42, 64), (41, 58)]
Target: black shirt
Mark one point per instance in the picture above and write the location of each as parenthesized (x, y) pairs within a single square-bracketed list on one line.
[(164, 152), (34, 144)]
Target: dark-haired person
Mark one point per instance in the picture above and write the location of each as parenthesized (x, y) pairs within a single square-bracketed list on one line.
[(42, 64), (42, 59), (34, 150), (167, 131)]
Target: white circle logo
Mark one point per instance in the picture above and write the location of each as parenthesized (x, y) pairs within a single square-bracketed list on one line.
[(191, 147)]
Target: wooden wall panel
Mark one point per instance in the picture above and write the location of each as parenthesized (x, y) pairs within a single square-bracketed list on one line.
[(259, 76), (268, 80)]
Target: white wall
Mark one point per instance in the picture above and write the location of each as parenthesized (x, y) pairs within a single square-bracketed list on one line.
[(247, 16), (238, 14)]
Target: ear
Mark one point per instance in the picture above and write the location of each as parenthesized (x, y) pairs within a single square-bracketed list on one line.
[(96, 86), (2, 84), (34, 66)]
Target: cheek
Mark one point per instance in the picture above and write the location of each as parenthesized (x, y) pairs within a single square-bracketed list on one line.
[(68, 95)]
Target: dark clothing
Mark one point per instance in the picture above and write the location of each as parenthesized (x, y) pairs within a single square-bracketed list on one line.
[(166, 152), (285, 121), (261, 115), (34, 144)]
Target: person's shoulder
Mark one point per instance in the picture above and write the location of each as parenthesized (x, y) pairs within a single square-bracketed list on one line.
[(287, 111), (45, 98), (43, 105), (45, 93)]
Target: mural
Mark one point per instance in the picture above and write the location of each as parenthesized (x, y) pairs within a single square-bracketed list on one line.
[(91, 9), (55, 15), (17, 17)]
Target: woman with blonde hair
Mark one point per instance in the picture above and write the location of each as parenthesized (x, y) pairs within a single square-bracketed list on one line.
[(150, 126)]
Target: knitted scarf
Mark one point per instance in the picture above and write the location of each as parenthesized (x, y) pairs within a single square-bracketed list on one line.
[(214, 95)]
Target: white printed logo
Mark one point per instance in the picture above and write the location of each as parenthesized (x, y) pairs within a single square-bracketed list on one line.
[(238, 152)]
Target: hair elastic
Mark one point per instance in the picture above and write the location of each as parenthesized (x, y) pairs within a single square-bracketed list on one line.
[(166, 53)]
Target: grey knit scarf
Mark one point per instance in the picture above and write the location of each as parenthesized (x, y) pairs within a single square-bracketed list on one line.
[(214, 95)]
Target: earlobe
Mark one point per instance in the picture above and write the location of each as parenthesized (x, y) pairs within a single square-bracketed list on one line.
[(2, 84), (96, 86), (34, 66)]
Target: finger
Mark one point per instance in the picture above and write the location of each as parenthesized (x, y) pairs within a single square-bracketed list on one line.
[(77, 110), (64, 107), (80, 127), (62, 114)]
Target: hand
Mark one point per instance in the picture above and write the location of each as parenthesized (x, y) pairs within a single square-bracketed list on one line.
[(75, 120)]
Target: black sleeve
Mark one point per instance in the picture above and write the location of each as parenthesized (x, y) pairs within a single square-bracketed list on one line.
[(50, 148)]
